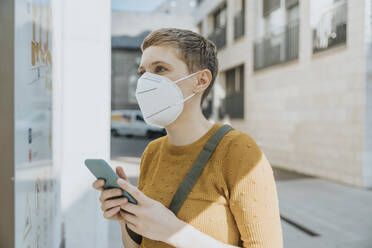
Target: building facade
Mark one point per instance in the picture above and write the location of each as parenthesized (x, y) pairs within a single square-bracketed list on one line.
[(125, 60), (177, 7), (296, 76)]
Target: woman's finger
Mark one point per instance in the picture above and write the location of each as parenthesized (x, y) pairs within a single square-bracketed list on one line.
[(121, 173), (98, 184), (134, 191), (129, 217), (113, 203), (131, 225), (108, 193), (130, 207), (111, 212)]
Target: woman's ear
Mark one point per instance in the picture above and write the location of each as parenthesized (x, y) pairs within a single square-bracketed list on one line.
[(205, 79)]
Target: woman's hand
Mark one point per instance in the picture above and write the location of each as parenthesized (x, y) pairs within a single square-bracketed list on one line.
[(149, 218), (111, 207)]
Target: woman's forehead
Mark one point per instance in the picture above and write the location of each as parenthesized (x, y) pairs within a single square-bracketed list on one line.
[(164, 54)]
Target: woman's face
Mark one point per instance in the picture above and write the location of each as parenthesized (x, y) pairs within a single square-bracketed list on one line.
[(162, 60)]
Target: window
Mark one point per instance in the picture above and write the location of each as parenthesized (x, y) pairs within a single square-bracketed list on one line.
[(292, 13), (234, 100), (127, 118), (329, 23), (239, 18), (269, 6), (219, 17), (139, 118), (280, 41), (290, 3), (218, 35), (207, 105)]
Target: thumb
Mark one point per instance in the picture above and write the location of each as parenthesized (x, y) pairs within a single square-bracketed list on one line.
[(121, 173)]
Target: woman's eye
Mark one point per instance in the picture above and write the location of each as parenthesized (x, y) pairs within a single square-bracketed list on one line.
[(156, 69)]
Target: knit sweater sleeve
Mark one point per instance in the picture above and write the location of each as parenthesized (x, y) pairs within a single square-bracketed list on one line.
[(252, 194), (143, 167)]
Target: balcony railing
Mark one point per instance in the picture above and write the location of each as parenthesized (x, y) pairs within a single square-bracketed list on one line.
[(218, 36), (277, 48), (239, 25), (331, 29)]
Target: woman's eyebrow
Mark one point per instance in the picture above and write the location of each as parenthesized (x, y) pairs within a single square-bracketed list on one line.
[(154, 63)]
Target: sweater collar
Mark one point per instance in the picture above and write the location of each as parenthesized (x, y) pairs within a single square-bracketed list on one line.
[(201, 141)]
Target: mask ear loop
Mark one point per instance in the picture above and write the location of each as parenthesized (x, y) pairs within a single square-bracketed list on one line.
[(187, 98), (178, 80)]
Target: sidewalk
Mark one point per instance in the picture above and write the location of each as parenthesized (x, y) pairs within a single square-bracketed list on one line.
[(315, 212), (340, 215)]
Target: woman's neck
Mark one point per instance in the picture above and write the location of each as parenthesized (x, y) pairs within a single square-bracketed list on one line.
[(182, 133)]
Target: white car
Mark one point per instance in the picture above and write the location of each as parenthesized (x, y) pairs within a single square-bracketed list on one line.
[(130, 122)]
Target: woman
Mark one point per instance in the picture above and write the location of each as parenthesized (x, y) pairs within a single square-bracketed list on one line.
[(234, 201)]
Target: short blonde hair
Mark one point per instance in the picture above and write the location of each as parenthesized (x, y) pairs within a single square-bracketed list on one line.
[(196, 51)]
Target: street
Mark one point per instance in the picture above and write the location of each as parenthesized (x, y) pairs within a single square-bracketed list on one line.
[(128, 147)]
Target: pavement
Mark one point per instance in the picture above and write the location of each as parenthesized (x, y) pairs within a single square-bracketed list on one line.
[(321, 213), (315, 213)]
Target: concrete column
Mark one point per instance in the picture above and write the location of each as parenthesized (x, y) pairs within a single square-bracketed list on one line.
[(83, 46), (367, 164)]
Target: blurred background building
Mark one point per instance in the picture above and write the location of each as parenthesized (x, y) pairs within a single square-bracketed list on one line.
[(296, 75), (279, 81), (125, 60), (128, 30)]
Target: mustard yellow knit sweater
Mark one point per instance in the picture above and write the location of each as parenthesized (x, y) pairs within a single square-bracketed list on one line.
[(235, 198)]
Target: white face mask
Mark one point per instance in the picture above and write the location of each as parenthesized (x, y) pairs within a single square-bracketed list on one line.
[(160, 99)]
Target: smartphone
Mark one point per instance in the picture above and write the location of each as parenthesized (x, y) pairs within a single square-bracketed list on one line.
[(102, 170)]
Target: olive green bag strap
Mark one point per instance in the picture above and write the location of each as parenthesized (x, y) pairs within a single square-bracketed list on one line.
[(194, 173), (191, 177)]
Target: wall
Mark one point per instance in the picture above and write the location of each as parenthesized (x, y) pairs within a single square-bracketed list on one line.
[(368, 119), (308, 115), (82, 68)]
